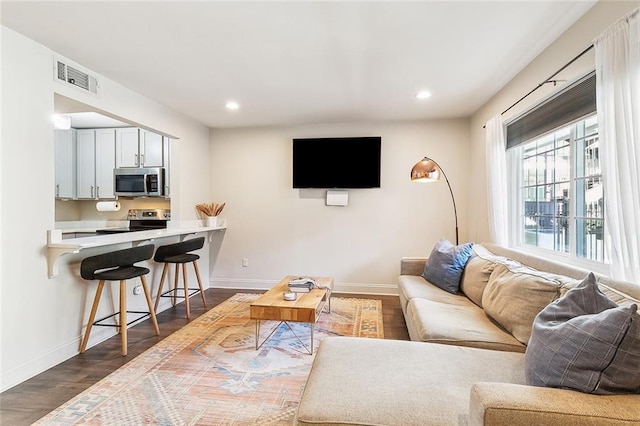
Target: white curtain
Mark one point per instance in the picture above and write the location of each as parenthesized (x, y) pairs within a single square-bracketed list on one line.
[(618, 104), (496, 167)]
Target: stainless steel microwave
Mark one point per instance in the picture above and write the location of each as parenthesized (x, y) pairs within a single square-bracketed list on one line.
[(139, 182)]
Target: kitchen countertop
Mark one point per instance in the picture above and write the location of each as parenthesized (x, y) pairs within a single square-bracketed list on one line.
[(72, 227), (56, 246)]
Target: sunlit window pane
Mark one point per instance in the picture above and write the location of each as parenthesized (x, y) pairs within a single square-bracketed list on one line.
[(529, 171), (541, 169), (590, 239), (545, 143), (563, 164), (591, 125), (557, 167)]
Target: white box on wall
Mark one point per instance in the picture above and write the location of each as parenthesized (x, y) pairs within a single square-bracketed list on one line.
[(337, 198)]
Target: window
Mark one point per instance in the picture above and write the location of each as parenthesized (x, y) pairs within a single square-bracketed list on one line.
[(561, 195)]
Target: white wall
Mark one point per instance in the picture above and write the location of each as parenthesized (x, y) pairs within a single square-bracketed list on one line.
[(566, 47), (284, 231), (41, 319)]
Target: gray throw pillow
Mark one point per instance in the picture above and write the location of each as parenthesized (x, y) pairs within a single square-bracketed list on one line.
[(446, 263), (584, 341)]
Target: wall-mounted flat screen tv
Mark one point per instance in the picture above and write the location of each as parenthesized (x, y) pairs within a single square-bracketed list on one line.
[(350, 162)]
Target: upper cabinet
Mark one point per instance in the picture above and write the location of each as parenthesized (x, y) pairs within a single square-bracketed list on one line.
[(151, 149), (105, 163), (86, 164), (138, 148), (166, 144), (85, 159), (65, 163), (95, 163), (127, 151)]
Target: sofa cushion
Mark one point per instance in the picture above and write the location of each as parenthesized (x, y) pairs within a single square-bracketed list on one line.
[(413, 287), (615, 294), (584, 341), (361, 381), (514, 296), (475, 278), (446, 263), (478, 271), (457, 324)]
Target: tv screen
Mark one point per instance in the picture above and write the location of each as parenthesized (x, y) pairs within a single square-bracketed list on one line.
[(337, 162)]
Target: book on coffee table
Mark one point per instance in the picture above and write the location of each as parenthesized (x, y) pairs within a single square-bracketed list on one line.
[(301, 285)]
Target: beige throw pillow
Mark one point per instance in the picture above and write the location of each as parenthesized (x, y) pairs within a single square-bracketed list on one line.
[(515, 295), (475, 278)]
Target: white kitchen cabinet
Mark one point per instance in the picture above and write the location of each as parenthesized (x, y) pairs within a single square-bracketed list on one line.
[(86, 164), (151, 149), (105, 163), (65, 163), (138, 148), (95, 163), (127, 147), (166, 149)]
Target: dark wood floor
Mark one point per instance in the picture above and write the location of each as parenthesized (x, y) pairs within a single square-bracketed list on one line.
[(34, 398)]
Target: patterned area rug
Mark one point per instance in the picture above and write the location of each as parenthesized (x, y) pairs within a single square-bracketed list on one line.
[(209, 372)]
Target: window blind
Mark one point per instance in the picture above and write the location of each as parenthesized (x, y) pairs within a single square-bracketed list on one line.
[(573, 102)]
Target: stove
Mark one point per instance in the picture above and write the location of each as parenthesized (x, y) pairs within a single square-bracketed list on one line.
[(141, 220)]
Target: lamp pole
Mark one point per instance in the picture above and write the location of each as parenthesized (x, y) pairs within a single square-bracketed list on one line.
[(425, 176)]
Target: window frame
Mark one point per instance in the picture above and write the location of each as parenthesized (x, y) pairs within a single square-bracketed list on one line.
[(515, 188)]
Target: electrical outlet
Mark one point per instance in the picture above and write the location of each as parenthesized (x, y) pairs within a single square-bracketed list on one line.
[(137, 290), (245, 262)]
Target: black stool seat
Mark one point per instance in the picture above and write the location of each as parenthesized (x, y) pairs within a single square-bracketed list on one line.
[(181, 258), (118, 266), (122, 273), (179, 253)]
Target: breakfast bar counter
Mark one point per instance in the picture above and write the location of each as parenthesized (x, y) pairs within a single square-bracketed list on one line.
[(57, 246)]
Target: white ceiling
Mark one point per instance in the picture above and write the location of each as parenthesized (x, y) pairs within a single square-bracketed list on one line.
[(294, 62)]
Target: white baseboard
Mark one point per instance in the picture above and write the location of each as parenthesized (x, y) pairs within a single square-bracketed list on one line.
[(338, 287)]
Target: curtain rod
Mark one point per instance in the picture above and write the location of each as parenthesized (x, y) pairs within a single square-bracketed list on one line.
[(548, 79)]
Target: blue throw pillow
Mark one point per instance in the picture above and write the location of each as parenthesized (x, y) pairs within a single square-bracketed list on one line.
[(446, 264), (585, 341)]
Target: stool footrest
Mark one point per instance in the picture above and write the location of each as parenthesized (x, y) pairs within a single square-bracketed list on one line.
[(176, 290), (144, 314)]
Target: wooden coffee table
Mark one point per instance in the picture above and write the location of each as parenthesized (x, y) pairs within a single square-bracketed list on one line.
[(306, 308)]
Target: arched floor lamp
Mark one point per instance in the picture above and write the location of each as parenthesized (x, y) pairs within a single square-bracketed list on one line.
[(427, 170)]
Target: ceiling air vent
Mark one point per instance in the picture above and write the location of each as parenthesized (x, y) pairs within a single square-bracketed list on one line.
[(75, 77)]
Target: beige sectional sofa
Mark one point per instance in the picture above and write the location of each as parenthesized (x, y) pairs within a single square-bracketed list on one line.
[(466, 363)]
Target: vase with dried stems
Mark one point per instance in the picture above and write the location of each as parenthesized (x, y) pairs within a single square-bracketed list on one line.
[(209, 212)]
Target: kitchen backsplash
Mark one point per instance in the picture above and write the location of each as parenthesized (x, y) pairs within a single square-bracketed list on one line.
[(85, 210)]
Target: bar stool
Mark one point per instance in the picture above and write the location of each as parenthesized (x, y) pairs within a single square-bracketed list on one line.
[(178, 253), (118, 266)]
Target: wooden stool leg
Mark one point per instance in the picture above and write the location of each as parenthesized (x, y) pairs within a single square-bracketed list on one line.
[(186, 290), (123, 316), (175, 284), (164, 273), (152, 311), (92, 316), (195, 267)]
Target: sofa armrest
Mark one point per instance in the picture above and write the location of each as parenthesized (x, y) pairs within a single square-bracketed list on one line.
[(412, 265), (510, 404)]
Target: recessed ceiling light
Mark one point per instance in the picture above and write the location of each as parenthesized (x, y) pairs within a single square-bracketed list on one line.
[(232, 105), (423, 94)]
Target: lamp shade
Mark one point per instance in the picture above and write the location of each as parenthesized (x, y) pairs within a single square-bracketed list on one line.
[(425, 170)]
